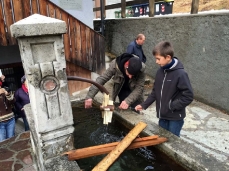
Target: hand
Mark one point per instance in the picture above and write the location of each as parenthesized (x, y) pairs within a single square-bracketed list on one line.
[(88, 103), (2, 90), (22, 108), (138, 108), (123, 105)]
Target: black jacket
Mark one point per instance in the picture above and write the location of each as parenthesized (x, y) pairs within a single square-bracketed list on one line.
[(172, 92)]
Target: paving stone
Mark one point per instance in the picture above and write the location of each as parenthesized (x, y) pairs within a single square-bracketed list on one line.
[(6, 142), (25, 135), (6, 166), (28, 159), (17, 167), (5, 154), (22, 155), (20, 145)]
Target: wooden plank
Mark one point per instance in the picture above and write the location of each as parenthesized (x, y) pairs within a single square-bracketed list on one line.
[(83, 45), (88, 152), (195, 6), (3, 40), (88, 46), (123, 8), (51, 10), (72, 38), (9, 21), (116, 152), (129, 3), (18, 13), (26, 8), (106, 148), (66, 36), (151, 8), (58, 13), (34, 6), (78, 43), (91, 59), (42, 7)]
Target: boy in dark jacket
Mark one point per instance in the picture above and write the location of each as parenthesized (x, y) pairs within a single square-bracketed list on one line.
[(172, 90)]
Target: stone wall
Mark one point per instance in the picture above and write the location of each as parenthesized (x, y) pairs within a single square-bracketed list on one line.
[(200, 42)]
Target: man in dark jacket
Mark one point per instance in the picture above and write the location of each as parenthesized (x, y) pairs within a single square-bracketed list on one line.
[(127, 72), (172, 90), (135, 47)]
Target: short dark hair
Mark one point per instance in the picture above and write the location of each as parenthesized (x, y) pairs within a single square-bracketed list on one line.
[(163, 48)]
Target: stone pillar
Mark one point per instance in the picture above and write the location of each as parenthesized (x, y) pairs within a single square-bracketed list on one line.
[(42, 53)]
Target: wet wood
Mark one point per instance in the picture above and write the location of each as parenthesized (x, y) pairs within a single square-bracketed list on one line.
[(115, 153), (106, 148)]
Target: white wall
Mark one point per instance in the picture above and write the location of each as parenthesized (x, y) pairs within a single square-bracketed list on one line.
[(80, 9)]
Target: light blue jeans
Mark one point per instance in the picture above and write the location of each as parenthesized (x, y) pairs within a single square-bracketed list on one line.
[(7, 129), (172, 126)]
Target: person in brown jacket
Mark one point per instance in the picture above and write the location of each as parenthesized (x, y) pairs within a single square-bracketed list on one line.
[(127, 72), (7, 120)]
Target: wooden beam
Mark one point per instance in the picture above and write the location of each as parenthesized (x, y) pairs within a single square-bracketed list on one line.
[(106, 148), (151, 8), (115, 153), (195, 6), (123, 8), (129, 3)]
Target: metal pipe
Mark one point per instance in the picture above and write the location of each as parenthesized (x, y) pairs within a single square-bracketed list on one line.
[(100, 87)]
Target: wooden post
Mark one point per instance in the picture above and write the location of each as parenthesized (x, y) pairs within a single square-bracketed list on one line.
[(123, 8), (115, 153), (151, 8), (195, 6)]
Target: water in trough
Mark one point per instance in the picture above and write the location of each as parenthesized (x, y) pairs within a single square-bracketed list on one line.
[(90, 131)]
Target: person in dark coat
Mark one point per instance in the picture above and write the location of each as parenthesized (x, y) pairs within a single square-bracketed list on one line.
[(172, 89), (135, 47), (22, 98)]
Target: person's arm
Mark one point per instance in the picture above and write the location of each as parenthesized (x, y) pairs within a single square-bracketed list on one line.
[(106, 76), (138, 90), (186, 93)]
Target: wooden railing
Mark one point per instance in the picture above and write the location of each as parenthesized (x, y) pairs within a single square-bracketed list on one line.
[(83, 46)]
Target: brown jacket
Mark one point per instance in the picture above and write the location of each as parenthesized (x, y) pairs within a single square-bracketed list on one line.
[(136, 83), (6, 103)]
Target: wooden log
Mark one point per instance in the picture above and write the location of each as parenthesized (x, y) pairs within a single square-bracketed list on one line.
[(106, 148), (123, 8), (115, 153)]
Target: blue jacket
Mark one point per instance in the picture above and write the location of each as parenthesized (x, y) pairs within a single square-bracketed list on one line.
[(134, 48), (172, 92), (21, 99)]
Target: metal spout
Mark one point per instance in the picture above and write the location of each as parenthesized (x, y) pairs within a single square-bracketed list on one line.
[(100, 87)]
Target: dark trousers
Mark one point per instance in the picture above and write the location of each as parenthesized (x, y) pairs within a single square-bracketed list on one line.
[(172, 126)]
